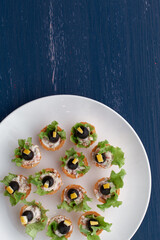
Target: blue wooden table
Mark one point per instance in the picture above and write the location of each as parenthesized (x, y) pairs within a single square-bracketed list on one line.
[(108, 50)]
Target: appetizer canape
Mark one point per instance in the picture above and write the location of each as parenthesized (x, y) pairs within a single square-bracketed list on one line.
[(91, 224), (33, 217), (74, 198), (16, 187), (107, 190), (83, 134), (74, 164), (52, 137), (105, 155), (47, 181), (27, 155), (59, 228)]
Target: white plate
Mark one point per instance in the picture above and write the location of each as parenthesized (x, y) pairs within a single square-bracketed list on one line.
[(29, 119)]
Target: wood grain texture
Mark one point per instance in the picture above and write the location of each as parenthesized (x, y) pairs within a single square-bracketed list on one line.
[(108, 50)]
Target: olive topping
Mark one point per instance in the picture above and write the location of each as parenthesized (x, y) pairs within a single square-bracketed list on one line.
[(49, 180), (92, 223), (71, 164), (14, 185), (63, 228), (73, 194), (53, 136), (28, 214), (82, 132), (27, 154), (105, 191), (103, 158)]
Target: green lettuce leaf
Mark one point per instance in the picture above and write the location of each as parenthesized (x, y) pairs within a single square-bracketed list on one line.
[(7, 179), (38, 182), (72, 153), (33, 228), (51, 234), (72, 206), (18, 161), (117, 178), (112, 201), (89, 235), (16, 196), (51, 127), (102, 225), (118, 155), (76, 140), (23, 143)]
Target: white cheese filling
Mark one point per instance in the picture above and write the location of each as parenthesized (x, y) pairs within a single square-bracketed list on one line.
[(36, 158), (57, 181), (108, 157), (74, 172), (59, 219), (84, 222), (49, 144), (78, 200), (98, 192), (23, 184), (36, 213)]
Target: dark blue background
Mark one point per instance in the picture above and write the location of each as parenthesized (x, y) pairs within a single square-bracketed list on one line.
[(108, 50)]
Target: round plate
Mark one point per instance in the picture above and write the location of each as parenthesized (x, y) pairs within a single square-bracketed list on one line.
[(28, 120)]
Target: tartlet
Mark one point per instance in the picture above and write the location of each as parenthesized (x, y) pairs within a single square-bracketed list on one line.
[(47, 181), (59, 227), (74, 198), (27, 155), (107, 190), (74, 164), (17, 187), (52, 137), (104, 155), (33, 218), (83, 134), (91, 224)]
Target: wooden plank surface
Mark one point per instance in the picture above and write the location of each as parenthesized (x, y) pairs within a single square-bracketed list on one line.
[(108, 50)]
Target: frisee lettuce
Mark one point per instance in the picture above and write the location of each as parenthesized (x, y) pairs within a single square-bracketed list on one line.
[(117, 178), (76, 140), (72, 206), (118, 155), (112, 201), (33, 228), (38, 182), (72, 153), (16, 196), (53, 226), (52, 127), (23, 144), (7, 179), (101, 225)]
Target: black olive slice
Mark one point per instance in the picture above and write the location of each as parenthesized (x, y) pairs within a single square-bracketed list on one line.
[(103, 158), (48, 179), (27, 156), (84, 134), (28, 214), (14, 185), (105, 191), (89, 224), (71, 165), (73, 194), (53, 136), (63, 228)]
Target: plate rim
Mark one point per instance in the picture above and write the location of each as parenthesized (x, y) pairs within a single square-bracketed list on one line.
[(122, 118)]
